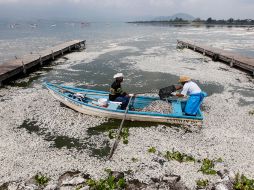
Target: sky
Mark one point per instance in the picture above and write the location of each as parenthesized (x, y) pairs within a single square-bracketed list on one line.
[(125, 10)]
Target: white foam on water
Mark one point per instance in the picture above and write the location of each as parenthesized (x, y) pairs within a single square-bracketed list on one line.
[(84, 57), (176, 63)]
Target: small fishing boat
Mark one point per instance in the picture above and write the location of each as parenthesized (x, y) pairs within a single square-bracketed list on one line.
[(88, 102)]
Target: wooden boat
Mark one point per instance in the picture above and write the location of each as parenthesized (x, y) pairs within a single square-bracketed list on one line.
[(89, 105)]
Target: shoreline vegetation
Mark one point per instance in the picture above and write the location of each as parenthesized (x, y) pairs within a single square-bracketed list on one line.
[(199, 22)]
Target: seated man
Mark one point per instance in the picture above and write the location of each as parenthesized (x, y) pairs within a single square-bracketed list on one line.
[(196, 96), (116, 92)]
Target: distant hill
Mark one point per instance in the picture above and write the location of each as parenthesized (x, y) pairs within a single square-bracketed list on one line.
[(183, 16)]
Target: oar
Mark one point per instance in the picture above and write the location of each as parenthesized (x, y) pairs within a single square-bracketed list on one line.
[(119, 131)]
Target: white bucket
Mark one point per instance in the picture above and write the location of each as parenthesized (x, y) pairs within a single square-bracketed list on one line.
[(103, 102)]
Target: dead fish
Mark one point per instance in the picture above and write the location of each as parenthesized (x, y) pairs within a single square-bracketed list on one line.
[(158, 106)]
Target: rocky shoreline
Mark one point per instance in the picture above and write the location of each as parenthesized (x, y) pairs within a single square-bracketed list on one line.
[(76, 180)]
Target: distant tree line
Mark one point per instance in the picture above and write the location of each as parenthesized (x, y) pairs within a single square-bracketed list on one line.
[(230, 21), (173, 21), (209, 21)]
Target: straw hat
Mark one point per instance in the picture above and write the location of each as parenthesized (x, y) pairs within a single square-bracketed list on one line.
[(184, 79), (118, 75)]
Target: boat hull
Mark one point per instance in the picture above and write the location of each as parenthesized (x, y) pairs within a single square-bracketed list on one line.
[(94, 111)]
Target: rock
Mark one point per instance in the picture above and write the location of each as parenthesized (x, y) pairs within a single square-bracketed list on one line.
[(74, 181), (30, 184), (160, 160), (31, 187), (221, 186), (4, 186), (171, 179), (135, 184), (155, 180), (172, 182), (178, 186), (231, 176), (85, 188), (86, 176), (67, 188), (68, 176), (117, 175), (224, 185), (31, 181), (152, 186), (51, 187), (12, 185), (223, 173)]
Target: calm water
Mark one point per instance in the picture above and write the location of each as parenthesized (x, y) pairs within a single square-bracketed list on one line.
[(18, 38)]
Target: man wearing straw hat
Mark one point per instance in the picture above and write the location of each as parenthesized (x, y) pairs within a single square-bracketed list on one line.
[(116, 92), (195, 94)]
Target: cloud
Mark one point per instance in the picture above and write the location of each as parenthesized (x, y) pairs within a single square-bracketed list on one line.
[(126, 9)]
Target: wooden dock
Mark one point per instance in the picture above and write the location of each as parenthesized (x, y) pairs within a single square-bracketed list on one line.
[(233, 59), (19, 66)]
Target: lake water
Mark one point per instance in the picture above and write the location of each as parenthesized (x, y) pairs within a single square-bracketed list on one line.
[(109, 47)]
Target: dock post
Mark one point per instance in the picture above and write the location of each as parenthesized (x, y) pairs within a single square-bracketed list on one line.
[(194, 48), (52, 54), (203, 55), (69, 48), (61, 51), (23, 65), (41, 63), (232, 62)]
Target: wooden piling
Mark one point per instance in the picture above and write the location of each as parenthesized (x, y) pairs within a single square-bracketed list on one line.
[(24, 68), (41, 63)]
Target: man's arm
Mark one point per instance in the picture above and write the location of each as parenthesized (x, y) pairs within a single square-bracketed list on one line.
[(184, 91)]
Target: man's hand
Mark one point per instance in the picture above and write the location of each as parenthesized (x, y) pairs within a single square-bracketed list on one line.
[(173, 93)]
